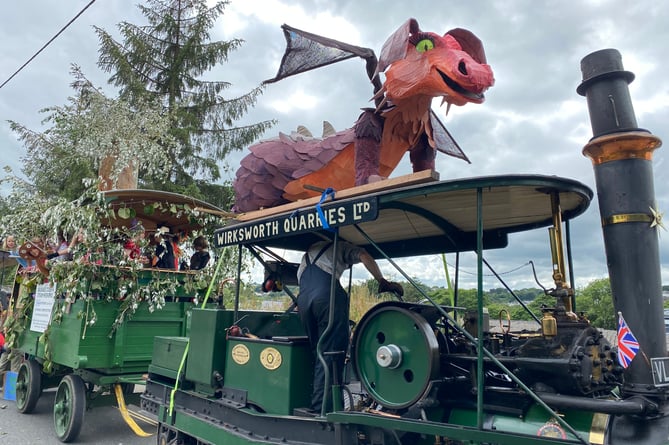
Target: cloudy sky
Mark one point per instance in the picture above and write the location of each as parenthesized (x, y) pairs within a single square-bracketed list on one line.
[(532, 121)]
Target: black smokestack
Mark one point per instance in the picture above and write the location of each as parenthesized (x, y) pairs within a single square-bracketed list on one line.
[(605, 87), (621, 155)]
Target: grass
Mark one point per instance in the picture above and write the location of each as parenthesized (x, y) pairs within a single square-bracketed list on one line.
[(361, 301)]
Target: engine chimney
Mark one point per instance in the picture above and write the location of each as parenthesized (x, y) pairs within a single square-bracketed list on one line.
[(621, 155)]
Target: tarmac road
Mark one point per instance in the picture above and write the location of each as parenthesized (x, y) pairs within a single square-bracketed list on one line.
[(102, 426)]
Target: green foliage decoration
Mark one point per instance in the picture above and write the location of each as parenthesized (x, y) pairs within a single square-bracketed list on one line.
[(98, 269), (17, 319)]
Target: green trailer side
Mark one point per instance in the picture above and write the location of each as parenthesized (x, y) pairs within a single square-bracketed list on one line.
[(85, 334), (88, 347), (127, 349)]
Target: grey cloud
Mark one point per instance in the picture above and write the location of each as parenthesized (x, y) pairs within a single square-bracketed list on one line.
[(534, 48)]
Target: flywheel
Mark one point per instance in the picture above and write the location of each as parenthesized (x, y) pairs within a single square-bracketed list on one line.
[(395, 354)]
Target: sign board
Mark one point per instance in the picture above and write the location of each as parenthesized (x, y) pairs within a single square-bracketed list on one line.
[(299, 221), (660, 366), (44, 299)]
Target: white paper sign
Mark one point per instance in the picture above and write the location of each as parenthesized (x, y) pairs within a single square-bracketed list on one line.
[(44, 299)]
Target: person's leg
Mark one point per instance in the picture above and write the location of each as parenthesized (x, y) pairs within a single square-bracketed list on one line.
[(15, 358), (333, 344), (4, 366), (310, 324), (4, 361)]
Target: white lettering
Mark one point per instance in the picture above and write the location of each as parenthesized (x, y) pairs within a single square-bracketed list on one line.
[(310, 220), (303, 223), (359, 209), (660, 371), (331, 216)]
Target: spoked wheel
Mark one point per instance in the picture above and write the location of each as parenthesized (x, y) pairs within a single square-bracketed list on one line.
[(69, 407), (28, 386)]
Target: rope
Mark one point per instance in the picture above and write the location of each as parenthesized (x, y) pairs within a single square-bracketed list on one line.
[(327, 192)]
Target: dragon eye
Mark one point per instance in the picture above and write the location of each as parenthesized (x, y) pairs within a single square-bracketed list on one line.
[(424, 45)]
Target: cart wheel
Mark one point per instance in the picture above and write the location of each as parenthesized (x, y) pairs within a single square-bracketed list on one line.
[(69, 407), (28, 386)]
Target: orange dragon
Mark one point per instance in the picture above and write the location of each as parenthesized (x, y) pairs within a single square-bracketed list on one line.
[(418, 66)]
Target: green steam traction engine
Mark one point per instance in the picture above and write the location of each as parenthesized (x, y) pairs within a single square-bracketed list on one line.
[(415, 375)]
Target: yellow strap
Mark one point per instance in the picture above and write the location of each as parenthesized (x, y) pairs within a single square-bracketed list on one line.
[(124, 413), (212, 282)]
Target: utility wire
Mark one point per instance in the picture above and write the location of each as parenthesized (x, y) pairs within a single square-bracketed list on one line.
[(500, 273), (47, 43)]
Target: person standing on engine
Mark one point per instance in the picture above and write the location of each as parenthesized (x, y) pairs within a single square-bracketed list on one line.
[(314, 277)]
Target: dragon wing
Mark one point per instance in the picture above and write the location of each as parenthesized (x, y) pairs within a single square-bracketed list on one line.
[(443, 141), (306, 51)]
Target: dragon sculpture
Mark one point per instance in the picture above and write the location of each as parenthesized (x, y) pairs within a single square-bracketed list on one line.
[(418, 66)]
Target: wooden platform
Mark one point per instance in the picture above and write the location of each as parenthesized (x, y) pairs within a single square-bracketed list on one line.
[(410, 218), (423, 177)]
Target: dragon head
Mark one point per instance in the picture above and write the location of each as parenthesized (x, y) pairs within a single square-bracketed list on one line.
[(452, 66)]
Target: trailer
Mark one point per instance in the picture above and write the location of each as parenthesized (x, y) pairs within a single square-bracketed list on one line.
[(94, 345)]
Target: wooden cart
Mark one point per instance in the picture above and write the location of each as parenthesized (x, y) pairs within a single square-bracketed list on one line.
[(93, 347)]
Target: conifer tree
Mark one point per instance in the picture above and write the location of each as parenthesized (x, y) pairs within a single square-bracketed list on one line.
[(166, 59)]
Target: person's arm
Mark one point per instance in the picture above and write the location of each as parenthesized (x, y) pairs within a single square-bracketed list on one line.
[(372, 266), (74, 241), (66, 249)]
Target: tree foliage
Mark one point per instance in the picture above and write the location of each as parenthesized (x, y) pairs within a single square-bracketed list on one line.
[(442, 296), (596, 301), (166, 122), (468, 299), (164, 60), (26, 208), (502, 295), (88, 129)]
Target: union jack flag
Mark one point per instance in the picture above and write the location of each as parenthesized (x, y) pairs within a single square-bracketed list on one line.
[(628, 345)]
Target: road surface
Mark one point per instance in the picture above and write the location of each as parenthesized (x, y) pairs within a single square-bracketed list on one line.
[(102, 426)]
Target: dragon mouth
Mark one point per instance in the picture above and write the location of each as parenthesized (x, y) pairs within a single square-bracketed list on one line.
[(456, 87)]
